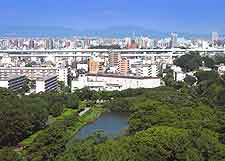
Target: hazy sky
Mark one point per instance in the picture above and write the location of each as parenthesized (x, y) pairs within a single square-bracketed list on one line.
[(162, 15)]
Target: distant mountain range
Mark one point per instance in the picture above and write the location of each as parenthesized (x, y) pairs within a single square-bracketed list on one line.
[(117, 31)]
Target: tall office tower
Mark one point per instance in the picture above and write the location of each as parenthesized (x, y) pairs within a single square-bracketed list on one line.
[(93, 66), (215, 36), (67, 44), (48, 44), (31, 44), (123, 67), (173, 41), (114, 59), (133, 44), (21, 43), (16, 43)]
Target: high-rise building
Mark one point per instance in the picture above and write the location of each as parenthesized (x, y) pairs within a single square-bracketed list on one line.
[(51, 44), (114, 59), (93, 66), (123, 67), (132, 45), (173, 41), (31, 44), (21, 43), (67, 44), (215, 36), (16, 43), (48, 44)]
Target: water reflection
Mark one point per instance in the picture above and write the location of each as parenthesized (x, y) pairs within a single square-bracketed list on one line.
[(112, 123)]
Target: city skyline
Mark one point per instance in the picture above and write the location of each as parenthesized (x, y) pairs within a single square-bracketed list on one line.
[(197, 17)]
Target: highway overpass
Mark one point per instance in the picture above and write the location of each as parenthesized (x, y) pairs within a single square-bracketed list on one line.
[(109, 50), (105, 52)]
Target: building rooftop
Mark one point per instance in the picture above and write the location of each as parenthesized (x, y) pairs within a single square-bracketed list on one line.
[(121, 76), (9, 77), (45, 77), (28, 68)]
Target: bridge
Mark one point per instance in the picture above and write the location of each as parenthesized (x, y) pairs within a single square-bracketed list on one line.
[(104, 52)]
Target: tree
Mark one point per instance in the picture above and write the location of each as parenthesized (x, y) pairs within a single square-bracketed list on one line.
[(208, 62), (7, 154), (73, 101), (28, 65), (189, 62), (190, 80), (169, 80)]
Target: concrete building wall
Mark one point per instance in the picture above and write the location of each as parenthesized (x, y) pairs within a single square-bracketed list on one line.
[(40, 86), (4, 84), (93, 66), (13, 83), (115, 83), (34, 72), (63, 75), (47, 84), (123, 67), (114, 59)]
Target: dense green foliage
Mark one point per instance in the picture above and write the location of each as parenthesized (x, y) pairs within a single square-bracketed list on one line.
[(7, 154), (166, 124), (86, 94), (189, 62), (21, 116), (211, 88), (53, 140), (190, 80), (159, 143), (193, 61)]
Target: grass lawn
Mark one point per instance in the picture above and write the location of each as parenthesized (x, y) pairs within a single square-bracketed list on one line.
[(91, 115)]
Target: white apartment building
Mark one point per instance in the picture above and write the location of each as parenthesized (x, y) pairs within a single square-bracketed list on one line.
[(178, 74), (46, 84), (35, 72), (62, 74), (147, 70), (111, 82), (82, 66), (12, 82), (221, 69)]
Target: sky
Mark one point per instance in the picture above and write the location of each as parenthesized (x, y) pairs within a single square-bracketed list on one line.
[(161, 15)]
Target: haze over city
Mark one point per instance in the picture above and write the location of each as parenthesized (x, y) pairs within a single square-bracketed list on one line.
[(76, 17)]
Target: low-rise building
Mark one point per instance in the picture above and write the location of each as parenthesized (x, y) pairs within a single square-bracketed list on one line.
[(46, 84), (147, 70), (35, 72), (205, 69), (111, 82), (12, 82), (83, 67), (178, 74), (221, 69)]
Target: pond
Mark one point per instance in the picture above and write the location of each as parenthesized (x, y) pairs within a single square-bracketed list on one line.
[(112, 123)]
